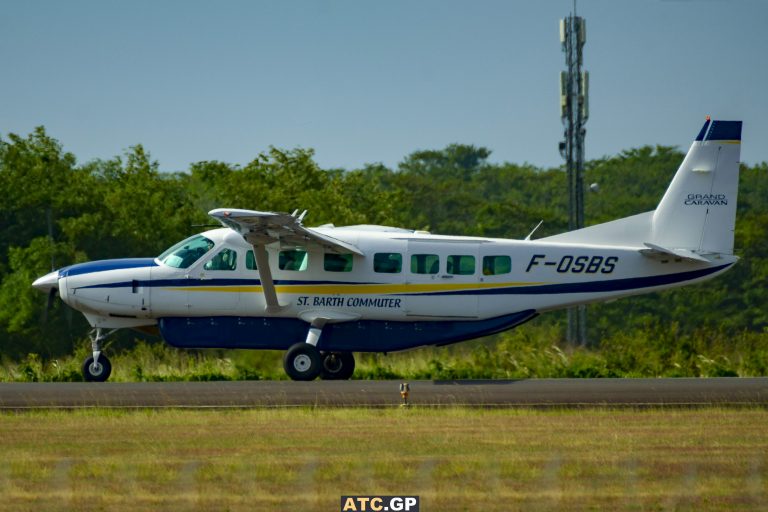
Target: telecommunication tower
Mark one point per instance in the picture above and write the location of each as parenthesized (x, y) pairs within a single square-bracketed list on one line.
[(574, 112)]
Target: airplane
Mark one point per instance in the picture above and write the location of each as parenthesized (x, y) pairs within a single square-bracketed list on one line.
[(265, 281)]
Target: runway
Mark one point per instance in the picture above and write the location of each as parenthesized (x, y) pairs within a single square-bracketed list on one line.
[(490, 393)]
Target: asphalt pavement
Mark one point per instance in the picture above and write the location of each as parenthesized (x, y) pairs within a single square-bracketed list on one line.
[(490, 393)]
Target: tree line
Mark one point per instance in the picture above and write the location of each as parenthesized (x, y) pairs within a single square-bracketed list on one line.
[(57, 211)]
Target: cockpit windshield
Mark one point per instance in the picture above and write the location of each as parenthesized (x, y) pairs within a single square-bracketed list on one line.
[(186, 252)]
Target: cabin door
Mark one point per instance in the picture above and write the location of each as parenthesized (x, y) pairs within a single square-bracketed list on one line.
[(440, 278), (214, 286)]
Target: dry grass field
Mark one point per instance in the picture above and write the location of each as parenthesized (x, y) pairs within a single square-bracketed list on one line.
[(454, 459)]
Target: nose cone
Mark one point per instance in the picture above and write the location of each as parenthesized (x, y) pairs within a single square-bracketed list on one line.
[(48, 282)]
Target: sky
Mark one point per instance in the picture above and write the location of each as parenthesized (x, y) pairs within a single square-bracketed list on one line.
[(370, 82)]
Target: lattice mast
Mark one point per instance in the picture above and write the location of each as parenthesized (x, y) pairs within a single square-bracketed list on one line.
[(574, 112)]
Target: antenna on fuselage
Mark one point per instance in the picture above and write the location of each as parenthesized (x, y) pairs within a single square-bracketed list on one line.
[(534, 230)]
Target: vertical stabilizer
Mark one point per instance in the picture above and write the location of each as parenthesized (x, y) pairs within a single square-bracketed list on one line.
[(698, 211)]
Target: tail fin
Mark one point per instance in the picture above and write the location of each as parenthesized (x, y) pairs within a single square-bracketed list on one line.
[(698, 210)]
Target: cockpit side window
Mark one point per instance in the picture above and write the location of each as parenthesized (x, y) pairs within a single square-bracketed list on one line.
[(226, 259), (186, 252)]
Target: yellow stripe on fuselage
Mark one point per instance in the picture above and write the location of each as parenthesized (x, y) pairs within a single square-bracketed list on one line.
[(353, 289)]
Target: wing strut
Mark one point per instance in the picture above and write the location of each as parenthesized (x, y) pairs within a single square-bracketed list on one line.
[(267, 284), (262, 228)]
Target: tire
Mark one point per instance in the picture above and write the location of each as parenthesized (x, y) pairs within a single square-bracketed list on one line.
[(302, 361), (97, 374), (337, 366)]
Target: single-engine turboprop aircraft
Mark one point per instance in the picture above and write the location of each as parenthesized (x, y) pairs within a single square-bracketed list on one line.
[(265, 281)]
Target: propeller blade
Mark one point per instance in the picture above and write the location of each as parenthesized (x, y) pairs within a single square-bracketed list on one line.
[(49, 304)]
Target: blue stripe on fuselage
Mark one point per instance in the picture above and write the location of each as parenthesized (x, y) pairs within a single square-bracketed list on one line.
[(104, 265), (173, 283), (611, 285), (169, 283)]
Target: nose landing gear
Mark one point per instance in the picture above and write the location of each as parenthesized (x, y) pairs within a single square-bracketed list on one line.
[(97, 368)]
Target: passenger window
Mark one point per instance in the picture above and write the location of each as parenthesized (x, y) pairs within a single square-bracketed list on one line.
[(496, 265), (293, 260), (461, 265), (226, 259), (250, 261), (388, 262), (425, 263), (337, 262)]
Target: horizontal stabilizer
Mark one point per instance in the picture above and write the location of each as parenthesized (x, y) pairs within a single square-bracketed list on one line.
[(686, 254)]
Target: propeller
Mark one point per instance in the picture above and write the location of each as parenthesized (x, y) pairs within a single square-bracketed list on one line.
[(48, 282), (49, 304)]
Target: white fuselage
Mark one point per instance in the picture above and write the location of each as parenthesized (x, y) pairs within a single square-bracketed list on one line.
[(532, 275)]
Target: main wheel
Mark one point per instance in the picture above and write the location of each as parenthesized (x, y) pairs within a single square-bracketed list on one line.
[(302, 362), (337, 366), (97, 372)]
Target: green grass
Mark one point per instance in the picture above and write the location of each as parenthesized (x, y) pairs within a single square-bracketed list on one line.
[(531, 351), (455, 459)]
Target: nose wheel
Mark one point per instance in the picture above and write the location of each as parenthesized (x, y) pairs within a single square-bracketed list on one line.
[(97, 368)]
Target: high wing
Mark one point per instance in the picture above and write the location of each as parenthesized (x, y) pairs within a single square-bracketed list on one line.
[(263, 228)]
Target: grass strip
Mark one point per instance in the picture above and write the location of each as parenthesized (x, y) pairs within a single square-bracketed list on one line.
[(455, 459)]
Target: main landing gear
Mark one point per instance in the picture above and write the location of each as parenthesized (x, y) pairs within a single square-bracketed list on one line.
[(303, 360), (97, 368)]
